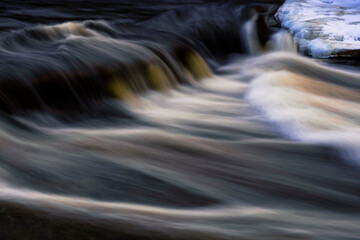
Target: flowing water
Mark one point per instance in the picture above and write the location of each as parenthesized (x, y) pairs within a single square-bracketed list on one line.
[(172, 120)]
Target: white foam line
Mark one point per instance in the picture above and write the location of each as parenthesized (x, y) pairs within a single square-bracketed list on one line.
[(39, 199)]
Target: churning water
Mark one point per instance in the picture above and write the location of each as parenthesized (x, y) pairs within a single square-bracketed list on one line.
[(172, 120)]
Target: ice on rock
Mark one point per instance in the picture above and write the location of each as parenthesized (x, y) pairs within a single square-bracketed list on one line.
[(323, 28)]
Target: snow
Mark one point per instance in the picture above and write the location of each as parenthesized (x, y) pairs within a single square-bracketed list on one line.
[(323, 28)]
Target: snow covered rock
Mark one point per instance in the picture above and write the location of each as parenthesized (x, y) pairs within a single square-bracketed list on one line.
[(323, 28)]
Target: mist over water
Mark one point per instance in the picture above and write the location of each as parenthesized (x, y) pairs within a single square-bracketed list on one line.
[(172, 120)]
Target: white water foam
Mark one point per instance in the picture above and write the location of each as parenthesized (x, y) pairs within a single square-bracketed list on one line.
[(323, 28), (309, 110)]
